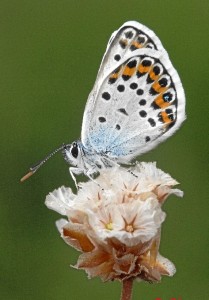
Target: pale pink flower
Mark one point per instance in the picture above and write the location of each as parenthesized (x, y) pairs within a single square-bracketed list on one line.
[(116, 222)]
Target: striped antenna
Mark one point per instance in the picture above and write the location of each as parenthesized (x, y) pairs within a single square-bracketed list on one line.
[(34, 168)]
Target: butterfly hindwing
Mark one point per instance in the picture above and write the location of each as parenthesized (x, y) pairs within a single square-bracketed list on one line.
[(137, 101), (130, 37)]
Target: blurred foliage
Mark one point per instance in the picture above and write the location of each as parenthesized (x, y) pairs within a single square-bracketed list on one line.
[(50, 51)]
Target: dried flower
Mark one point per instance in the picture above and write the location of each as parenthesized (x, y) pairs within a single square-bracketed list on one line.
[(116, 222)]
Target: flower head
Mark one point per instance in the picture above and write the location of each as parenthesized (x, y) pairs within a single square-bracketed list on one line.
[(116, 222)]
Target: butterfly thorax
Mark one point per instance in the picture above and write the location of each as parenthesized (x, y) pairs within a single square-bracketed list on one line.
[(86, 160)]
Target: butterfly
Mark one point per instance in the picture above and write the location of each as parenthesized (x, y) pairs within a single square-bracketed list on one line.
[(136, 103)]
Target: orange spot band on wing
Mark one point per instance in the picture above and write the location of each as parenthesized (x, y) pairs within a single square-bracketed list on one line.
[(161, 102), (153, 76), (165, 117), (123, 43), (158, 88), (143, 69), (129, 71), (136, 45), (114, 75)]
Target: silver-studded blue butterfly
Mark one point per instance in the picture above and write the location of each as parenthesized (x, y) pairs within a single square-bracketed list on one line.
[(137, 102)]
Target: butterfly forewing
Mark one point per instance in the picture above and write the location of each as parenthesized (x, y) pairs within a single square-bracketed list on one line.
[(124, 42)]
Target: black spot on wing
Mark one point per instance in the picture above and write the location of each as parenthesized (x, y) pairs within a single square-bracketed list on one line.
[(140, 92), (143, 113), (160, 117), (141, 39), (149, 79), (167, 97), (133, 47), (126, 77), (156, 70), (170, 114), (123, 43), (152, 122), (133, 85), (123, 111), (132, 64), (117, 57), (129, 34), (102, 119), (142, 102), (163, 82), (112, 80), (150, 46), (106, 96), (153, 92), (139, 74), (121, 88), (146, 63)]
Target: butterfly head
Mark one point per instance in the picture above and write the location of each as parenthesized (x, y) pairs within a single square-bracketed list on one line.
[(72, 153)]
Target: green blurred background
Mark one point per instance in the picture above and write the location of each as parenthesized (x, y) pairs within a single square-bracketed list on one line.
[(50, 52)]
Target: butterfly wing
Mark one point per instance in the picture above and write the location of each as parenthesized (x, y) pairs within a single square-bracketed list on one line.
[(137, 101), (130, 37)]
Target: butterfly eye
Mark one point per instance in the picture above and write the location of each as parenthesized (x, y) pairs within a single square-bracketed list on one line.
[(74, 150)]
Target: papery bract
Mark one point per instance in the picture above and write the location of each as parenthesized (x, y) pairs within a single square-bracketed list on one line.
[(116, 222)]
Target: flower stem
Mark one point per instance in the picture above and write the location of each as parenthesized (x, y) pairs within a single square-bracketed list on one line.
[(126, 293)]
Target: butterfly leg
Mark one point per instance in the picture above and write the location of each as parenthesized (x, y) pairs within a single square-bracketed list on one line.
[(76, 171), (90, 173)]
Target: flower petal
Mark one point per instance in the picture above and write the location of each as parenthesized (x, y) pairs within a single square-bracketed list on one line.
[(60, 200)]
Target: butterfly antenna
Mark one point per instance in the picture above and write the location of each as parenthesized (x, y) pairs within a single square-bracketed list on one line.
[(34, 168)]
